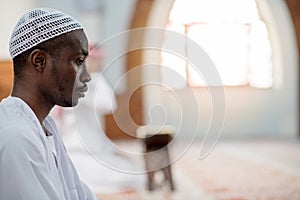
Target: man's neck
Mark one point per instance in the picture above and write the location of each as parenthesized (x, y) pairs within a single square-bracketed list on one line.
[(40, 109)]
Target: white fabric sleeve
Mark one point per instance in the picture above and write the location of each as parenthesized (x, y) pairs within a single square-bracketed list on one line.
[(24, 171), (90, 195), (69, 170)]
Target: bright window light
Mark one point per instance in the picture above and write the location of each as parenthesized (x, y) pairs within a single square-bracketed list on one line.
[(232, 34)]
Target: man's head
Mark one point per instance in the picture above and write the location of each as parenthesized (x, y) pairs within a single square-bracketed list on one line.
[(48, 49)]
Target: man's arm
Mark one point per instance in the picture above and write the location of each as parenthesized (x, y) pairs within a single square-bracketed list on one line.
[(23, 167)]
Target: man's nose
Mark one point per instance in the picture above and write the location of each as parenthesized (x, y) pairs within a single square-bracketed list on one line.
[(85, 76)]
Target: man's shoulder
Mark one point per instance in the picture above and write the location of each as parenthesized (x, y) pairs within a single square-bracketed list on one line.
[(9, 116), (15, 133), (19, 138), (12, 125)]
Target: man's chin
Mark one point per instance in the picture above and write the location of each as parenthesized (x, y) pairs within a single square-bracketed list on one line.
[(71, 103), (75, 103)]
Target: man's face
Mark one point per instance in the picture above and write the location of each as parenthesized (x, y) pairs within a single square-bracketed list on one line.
[(68, 74)]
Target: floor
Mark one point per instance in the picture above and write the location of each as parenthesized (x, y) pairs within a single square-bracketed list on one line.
[(260, 169)]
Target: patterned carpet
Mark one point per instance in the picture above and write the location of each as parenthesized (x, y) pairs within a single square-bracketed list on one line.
[(265, 170), (235, 170)]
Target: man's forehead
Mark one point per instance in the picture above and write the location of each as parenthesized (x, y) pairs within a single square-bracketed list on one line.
[(78, 42)]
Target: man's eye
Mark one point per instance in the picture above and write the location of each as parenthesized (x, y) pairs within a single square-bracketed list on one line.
[(80, 61)]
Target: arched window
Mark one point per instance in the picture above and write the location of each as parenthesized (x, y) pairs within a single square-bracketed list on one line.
[(233, 35)]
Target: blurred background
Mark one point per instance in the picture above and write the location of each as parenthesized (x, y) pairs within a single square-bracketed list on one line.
[(251, 102)]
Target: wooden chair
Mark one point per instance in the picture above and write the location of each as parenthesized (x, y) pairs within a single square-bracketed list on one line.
[(157, 158)]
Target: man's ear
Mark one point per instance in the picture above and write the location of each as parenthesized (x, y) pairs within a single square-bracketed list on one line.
[(38, 59)]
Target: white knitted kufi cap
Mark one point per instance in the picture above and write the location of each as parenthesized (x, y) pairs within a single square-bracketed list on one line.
[(37, 26)]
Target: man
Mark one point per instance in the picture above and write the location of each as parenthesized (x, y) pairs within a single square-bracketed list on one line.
[(48, 49), (99, 99)]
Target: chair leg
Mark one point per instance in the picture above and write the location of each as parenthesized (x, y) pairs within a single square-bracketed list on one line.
[(150, 180), (168, 175)]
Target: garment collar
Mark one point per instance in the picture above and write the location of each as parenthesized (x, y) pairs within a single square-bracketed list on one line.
[(21, 107)]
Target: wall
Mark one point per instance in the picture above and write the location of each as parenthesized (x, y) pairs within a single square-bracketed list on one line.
[(248, 112), (117, 19)]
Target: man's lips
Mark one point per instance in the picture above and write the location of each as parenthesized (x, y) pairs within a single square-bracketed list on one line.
[(82, 90)]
